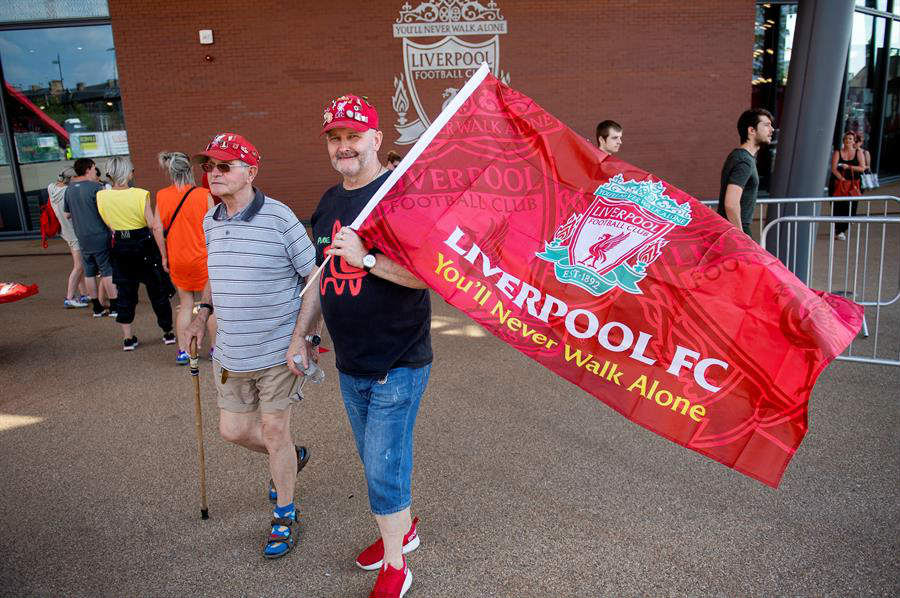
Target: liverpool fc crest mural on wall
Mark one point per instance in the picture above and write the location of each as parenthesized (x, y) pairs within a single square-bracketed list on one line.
[(444, 42)]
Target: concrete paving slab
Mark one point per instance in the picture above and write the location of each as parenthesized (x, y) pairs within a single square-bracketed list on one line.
[(525, 485)]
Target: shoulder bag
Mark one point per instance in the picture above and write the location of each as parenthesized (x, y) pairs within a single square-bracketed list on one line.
[(175, 215)]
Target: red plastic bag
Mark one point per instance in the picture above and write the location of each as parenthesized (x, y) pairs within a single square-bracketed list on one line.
[(13, 291)]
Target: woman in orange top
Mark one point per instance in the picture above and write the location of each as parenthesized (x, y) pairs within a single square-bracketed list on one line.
[(185, 244)]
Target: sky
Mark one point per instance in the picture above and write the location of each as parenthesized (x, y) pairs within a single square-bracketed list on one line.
[(28, 56)]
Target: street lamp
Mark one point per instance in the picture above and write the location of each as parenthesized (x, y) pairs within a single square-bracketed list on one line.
[(58, 62)]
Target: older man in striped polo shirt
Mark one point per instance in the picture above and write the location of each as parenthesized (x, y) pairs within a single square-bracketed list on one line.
[(259, 258)]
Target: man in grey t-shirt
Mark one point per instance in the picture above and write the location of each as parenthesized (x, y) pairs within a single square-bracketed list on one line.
[(80, 206), (740, 179)]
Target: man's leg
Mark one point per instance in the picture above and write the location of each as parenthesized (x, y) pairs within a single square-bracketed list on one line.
[(90, 282), (393, 527), (111, 290), (242, 429), (355, 393), (277, 393), (276, 437), (388, 452), (104, 262)]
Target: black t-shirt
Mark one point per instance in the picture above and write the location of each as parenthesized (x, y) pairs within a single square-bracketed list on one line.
[(740, 169), (375, 325)]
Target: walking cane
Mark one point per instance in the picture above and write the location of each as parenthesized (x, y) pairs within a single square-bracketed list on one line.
[(198, 416)]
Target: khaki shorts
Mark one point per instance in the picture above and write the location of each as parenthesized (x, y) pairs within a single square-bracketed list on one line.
[(269, 390)]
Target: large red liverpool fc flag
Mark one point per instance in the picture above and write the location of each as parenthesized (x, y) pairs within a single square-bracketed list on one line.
[(617, 281)]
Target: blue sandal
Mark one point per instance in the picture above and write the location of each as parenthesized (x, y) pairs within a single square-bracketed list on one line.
[(281, 538)]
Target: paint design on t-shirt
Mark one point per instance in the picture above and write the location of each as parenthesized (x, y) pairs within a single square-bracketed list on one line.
[(339, 273)]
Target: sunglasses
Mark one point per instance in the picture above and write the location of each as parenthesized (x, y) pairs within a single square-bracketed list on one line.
[(223, 167)]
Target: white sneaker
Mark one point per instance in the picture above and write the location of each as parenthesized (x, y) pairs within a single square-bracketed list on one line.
[(71, 303)]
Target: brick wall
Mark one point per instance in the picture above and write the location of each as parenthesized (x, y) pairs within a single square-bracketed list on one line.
[(676, 75)]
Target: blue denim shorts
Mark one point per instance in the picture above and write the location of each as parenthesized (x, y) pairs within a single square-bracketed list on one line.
[(382, 414), (97, 263)]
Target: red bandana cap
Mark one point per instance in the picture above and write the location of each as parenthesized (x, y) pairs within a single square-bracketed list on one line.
[(230, 146), (353, 112)]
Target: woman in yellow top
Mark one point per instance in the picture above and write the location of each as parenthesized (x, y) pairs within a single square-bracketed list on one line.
[(135, 254)]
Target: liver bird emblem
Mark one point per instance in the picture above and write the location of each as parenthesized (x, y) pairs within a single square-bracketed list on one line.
[(598, 250)]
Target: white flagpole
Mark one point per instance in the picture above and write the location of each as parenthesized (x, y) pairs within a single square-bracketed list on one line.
[(426, 138)]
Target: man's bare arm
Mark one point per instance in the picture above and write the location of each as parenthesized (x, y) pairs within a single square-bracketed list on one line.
[(733, 204), (388, 269), (348, 245), (309, 321), (197, 327)]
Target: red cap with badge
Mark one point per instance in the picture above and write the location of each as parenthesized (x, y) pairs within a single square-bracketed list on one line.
[(231, 146), (353, 112)]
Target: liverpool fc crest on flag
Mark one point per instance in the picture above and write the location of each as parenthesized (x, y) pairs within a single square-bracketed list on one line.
[(612, 243)]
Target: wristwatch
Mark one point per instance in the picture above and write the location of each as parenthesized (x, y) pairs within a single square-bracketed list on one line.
[(368, 261), (207, 306), (313, 339)]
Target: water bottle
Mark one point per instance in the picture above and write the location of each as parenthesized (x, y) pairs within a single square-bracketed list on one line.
[(313, 372)]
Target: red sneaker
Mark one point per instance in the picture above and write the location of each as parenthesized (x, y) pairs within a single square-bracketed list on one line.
[(392, 583), (372, 557)]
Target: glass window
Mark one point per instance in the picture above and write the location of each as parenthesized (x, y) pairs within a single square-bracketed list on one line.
[(17, 11), (862, 74), (876, 4), (889, 163), (10, 221), (62, 100), (775, 26)]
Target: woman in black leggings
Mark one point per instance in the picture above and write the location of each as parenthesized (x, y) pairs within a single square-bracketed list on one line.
[(135, 254)]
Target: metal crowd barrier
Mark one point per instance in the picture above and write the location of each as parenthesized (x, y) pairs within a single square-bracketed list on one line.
[(865, 267)]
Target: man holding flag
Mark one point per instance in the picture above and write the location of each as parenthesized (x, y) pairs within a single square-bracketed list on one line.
[(379, 319), (617, 281)]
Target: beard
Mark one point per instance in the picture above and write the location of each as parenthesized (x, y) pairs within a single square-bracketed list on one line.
[(351, 163)]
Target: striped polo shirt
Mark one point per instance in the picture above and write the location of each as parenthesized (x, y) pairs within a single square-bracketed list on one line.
[(257, 262)]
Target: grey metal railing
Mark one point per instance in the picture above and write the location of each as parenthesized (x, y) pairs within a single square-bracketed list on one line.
[(864, 267)]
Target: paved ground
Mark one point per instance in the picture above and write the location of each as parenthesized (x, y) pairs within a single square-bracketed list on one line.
[(525, 485)]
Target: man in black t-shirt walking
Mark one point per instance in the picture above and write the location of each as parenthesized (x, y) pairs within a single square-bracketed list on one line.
[(740, 179), (379, 319)]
